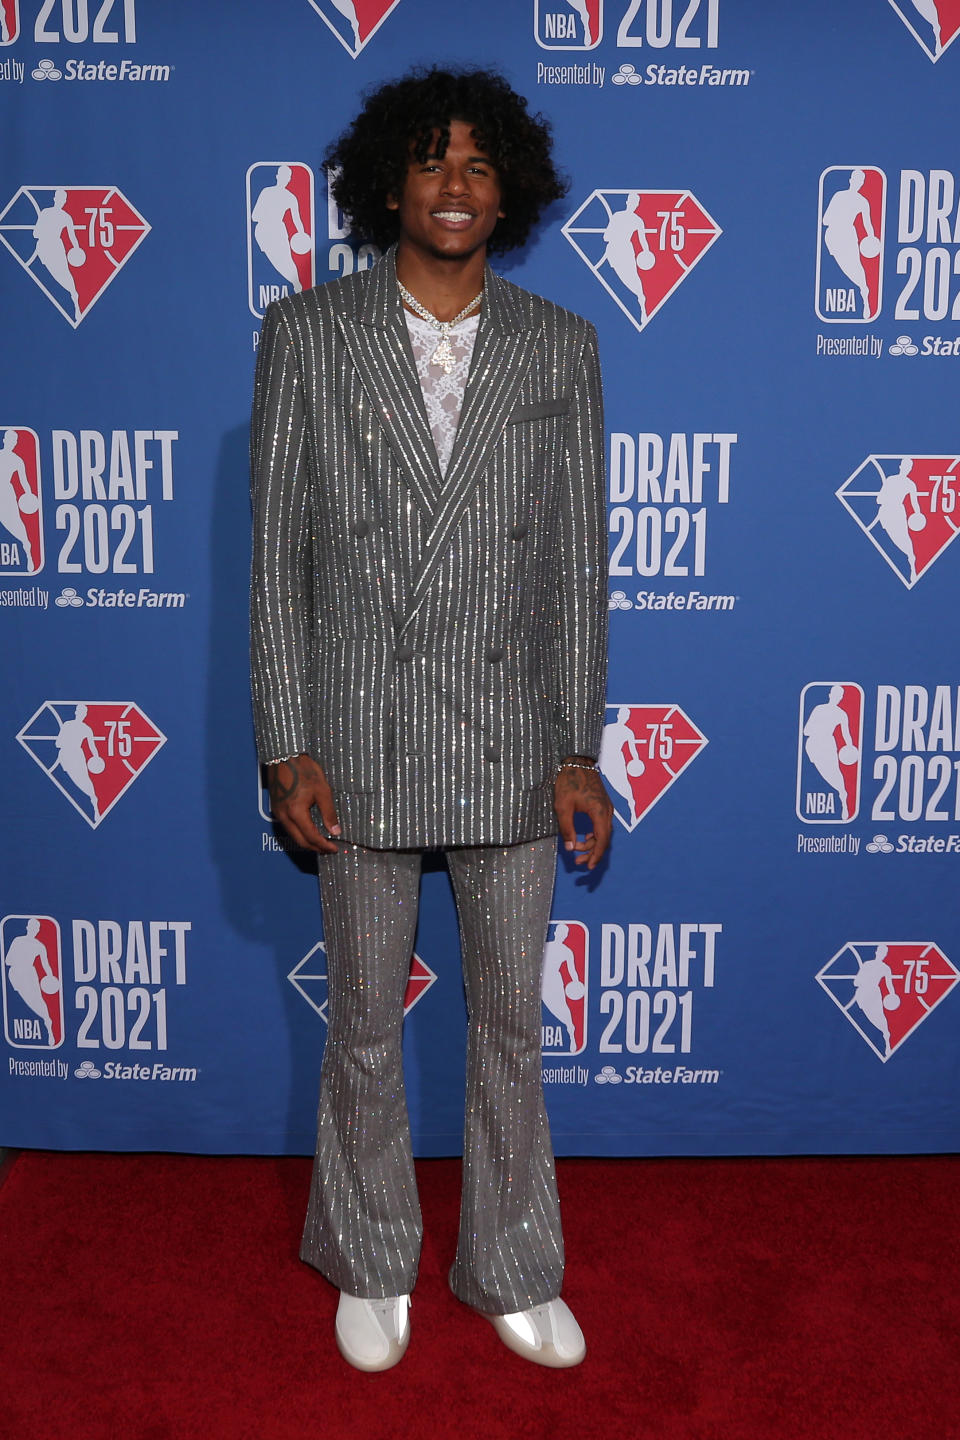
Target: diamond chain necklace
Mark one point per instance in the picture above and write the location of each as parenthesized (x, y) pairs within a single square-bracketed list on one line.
[(443, 356)]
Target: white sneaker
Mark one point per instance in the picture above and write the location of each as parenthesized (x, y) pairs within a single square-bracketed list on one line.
[(546, 1334), (373, 1334)]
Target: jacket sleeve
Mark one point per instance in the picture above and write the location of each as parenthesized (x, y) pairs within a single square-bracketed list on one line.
[(281, 591), (582, 601)]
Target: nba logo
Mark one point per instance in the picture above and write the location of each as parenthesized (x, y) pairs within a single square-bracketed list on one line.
[(32, 982), (354, 22), (934, 24), (72, 240), (829, 752), (92, 751), (643, 751), (21, 502), (850, 244), (886, 989), (568, 24), (281, 255), (906, 505), (564, 988), (9, 21), (641, 244)]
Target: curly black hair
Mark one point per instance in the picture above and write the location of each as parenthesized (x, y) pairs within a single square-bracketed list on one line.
[(400, 117)]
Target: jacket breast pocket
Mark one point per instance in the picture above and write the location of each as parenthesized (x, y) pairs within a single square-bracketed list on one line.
[(539, 410)]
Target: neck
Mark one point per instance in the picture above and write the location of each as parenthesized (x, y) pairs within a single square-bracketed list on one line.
[(443, 286)]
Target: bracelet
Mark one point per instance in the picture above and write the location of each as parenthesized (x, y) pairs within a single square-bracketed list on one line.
[(282, 760), (577, 765)]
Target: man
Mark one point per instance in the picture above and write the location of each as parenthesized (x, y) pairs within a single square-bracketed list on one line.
[(429, 625)]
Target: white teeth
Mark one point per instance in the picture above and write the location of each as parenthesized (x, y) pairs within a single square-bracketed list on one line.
[(453, 215)]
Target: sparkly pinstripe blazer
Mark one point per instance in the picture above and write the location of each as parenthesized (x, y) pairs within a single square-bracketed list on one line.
[(438, 643)]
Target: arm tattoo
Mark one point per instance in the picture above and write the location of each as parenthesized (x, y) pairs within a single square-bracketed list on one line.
[(281, 789)]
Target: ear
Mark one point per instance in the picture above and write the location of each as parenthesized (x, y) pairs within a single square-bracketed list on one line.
[(392, 202)]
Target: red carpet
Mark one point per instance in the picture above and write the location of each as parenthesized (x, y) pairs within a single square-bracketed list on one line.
[(151, 1297)]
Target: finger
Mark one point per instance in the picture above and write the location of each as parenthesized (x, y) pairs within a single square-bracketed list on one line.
[(301, 828), (604, 832), (328, 814)]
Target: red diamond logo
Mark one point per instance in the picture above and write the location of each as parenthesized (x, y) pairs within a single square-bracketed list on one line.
[(309, 978), (908, 506), (72, 240), (887, 988), (934, 24), (354, 22), (92, 750), (645, 748), (641, 244)]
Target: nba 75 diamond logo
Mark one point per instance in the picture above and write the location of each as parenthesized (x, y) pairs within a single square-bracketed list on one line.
[(309, 978), (71, 240), (644, 749), (354, 22), (934, 24), (906, 505), (91, 750), (886, 989), (641, 244)]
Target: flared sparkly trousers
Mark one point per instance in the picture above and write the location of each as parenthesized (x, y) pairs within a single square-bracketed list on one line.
[(363, 1229)]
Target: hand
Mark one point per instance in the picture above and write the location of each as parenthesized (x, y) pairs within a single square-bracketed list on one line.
[(581, 791), (294, 786)]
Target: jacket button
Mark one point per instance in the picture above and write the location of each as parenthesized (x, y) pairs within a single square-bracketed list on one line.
[(494, 655), (519, 530), (404, 652), (492, 755), (361, 529)]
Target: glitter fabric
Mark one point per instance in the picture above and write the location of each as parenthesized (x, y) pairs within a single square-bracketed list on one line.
[(363, 1228), (436, 640)]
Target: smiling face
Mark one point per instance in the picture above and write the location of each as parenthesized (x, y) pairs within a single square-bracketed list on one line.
[(449, 206)]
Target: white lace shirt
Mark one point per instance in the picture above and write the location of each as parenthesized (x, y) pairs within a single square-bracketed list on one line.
[(442, 393)]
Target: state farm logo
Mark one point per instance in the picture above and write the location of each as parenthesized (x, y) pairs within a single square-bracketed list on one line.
[(281, 254), (21, 501), (569, 24), (850, 244), (563, 989), (641, 244), (934, 24), (354, 22), (31, 961), (91, 750), (644, 750), (906, 505), (886, 989), (71, 240), (829, 752), (309, 978), (9, 21)]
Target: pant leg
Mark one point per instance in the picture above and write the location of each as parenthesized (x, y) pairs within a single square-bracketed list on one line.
[(363, 1228), (510, 1245)]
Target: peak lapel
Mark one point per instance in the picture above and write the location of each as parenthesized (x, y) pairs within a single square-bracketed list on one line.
[(379, 345), (504, 346)]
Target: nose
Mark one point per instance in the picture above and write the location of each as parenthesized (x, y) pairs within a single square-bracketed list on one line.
[(455, 182)]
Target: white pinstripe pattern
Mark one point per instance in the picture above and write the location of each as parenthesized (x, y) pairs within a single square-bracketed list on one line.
[(437, 642), (363, 1228)]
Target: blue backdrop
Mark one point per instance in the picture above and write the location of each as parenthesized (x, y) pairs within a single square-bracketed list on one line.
[(763, 222)]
